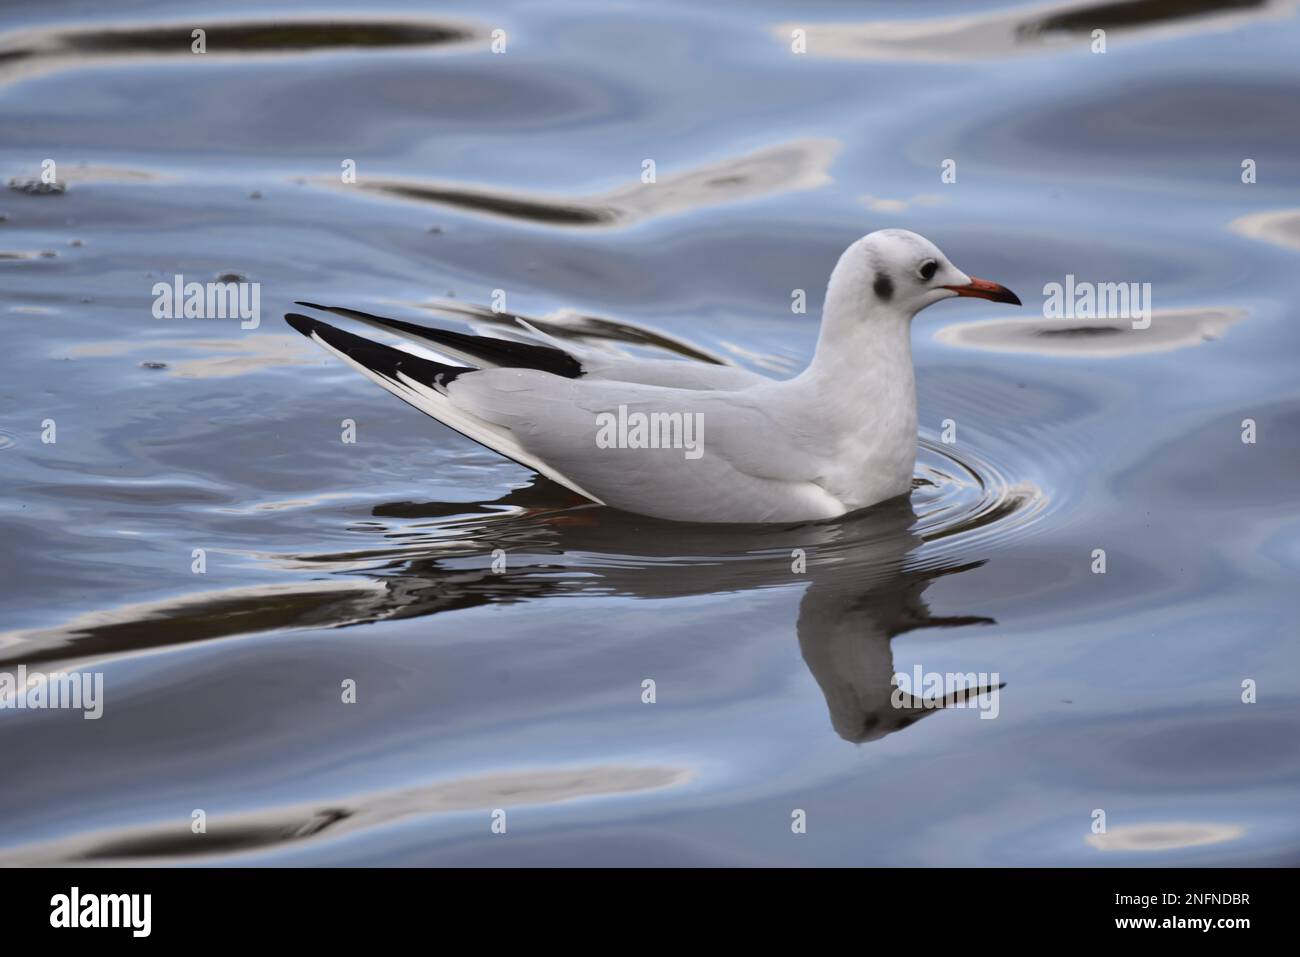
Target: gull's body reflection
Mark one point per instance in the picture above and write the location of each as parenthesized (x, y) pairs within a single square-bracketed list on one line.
[(862, 590), (861, 593)]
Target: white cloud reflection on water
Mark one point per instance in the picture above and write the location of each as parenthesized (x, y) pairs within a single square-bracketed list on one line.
[(1170, 836), (1280, 227)]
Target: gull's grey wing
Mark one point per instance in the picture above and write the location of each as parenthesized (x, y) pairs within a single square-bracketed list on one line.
[(674, 373), (552, 355)]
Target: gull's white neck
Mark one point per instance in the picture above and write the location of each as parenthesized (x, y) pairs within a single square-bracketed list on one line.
[(862, 391)]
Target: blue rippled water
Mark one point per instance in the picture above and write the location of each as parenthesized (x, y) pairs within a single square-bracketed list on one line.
[(371, 563)]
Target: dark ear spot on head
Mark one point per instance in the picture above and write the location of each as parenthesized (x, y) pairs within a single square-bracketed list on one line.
[(883, 286)]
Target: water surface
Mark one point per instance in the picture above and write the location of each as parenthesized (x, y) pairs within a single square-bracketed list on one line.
[(771, 649)]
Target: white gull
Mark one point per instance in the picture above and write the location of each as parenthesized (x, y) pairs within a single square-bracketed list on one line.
[(731, 445)]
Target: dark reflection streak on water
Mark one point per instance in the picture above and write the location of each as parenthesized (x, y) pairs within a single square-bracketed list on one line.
[(219, 840), (792, 166), (269, 828), (200, 617), (34, 51), (1131, 13), (557, 214), (249, 37), (1080, 331)]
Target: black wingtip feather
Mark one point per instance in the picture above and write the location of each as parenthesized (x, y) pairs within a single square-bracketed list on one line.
[(506, 353), (375, 356), (304, 324)]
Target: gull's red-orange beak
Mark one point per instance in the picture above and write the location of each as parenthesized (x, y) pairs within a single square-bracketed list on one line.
[(983, 289)]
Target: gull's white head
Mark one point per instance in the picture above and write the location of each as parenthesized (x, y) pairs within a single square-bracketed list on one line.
[(897, 272)]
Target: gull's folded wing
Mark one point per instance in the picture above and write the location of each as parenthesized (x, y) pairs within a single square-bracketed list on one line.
[(559, 359)]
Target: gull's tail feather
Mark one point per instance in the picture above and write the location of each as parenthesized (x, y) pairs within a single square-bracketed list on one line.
[(424, 383), (482, 350)]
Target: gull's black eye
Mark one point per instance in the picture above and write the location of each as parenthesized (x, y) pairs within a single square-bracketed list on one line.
[(928, 269)]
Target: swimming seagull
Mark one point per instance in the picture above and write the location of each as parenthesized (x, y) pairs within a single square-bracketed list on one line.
[(690, 441)]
